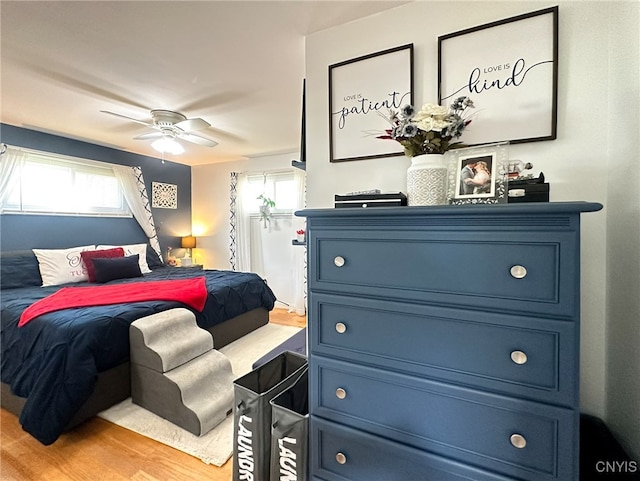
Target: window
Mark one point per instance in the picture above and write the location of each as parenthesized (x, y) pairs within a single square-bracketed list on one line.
[(279, 187), (53, 184)]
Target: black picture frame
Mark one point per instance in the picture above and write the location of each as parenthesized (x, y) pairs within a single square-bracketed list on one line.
[(302, 163), (359, 90), (509, 68)]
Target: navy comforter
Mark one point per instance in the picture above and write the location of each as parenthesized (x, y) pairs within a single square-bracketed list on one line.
[(54, 360)]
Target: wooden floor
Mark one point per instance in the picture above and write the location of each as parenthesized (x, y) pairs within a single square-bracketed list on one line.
[(100, 451)]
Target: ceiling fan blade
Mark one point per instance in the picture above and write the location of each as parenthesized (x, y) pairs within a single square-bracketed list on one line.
[(216, 100), (190, 125), (197, 139), (148, 124), (75, 79), (152, 135)]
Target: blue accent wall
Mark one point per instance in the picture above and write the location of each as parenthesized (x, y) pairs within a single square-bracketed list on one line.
[(19, 232)]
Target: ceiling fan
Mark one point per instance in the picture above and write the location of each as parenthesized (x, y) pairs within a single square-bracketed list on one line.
[(171, 126)]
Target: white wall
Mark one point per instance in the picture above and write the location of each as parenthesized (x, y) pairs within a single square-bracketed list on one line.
[(577, 163), (623, 228)]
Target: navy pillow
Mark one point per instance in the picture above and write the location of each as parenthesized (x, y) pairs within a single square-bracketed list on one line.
[(109, 269), (19, 269), (153, 260)]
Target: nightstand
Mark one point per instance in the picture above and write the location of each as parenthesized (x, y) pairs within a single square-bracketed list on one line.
[(192, 266)]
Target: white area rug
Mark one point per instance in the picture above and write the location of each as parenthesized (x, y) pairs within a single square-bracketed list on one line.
[(215, 447)]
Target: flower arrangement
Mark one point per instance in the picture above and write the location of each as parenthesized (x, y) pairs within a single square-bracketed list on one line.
[(300, 232), (431, 129)]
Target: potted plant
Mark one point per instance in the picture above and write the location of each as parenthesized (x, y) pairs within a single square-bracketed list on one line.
[(265, 209), (300, 235)]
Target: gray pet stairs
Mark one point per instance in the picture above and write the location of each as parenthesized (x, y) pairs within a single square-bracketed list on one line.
[(176, 373)]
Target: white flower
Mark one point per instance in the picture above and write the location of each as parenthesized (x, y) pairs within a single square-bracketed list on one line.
[(431, 123), (431, 110)]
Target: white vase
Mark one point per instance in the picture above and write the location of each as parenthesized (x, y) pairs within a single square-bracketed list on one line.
[(427, 180)]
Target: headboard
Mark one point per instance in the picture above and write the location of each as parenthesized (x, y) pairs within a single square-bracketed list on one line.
[(18, 264), (20, 268)]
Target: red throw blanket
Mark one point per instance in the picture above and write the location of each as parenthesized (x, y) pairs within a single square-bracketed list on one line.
[(192, 292)]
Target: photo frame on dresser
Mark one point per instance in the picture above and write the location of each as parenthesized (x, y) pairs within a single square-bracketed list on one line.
[(478, 175), (360, 90), (509, 68)]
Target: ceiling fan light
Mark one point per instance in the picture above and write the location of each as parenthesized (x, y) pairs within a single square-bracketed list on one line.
[(167, 145)]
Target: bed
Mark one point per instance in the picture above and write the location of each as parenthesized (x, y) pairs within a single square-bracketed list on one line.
[(63, 367)]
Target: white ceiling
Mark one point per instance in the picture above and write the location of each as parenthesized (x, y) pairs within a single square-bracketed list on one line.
[(239, 65)]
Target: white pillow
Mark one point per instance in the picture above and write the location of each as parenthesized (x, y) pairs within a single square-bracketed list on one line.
[(132, 249), (62, 266)]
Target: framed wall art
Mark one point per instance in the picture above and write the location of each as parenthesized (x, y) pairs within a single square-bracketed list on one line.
[(509, 69), (360, 90), (164, 196), (478, 175)]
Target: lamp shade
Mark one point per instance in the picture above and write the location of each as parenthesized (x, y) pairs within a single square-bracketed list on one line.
[(188, 242), (167, 145)]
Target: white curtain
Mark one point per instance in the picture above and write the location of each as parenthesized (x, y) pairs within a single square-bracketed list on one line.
[(298, 253), (135, 193), (11, 162), (243, 227), (269, 252)]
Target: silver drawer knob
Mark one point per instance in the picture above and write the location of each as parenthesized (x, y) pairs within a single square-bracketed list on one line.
[(341, 328), (338, 261), (341, 393), (519, 272), (518, 441), (341, 458), (519, 357)]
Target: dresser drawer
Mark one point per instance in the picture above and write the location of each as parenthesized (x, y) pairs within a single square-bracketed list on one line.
[(339, 453), (529, 357), (502, 270), (506, 435)]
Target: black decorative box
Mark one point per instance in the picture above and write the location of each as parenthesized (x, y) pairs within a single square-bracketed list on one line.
[(371, 200), (526, 191)]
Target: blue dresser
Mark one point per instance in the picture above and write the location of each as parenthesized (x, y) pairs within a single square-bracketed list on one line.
[(444, 342)]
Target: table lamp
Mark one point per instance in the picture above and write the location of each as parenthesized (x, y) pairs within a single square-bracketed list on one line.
[(188, 242)]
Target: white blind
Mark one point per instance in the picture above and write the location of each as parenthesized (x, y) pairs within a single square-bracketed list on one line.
[(55, 184)]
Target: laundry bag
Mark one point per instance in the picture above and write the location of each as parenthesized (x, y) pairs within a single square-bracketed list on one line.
[(252, 413), (290, 432)]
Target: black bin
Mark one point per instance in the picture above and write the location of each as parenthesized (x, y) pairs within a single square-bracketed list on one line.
[(252, 413), (290, 432)]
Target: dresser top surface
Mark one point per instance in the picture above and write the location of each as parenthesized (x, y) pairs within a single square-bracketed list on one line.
[(541, 208)]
